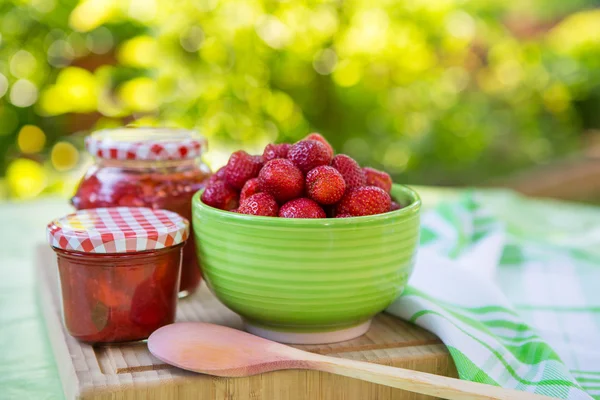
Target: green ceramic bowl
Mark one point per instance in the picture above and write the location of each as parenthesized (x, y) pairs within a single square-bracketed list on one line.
[(307, 280)]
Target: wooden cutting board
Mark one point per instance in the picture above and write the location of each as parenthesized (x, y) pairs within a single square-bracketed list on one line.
[(128, 372)]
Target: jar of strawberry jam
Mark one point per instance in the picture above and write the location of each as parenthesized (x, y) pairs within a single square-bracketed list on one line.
[(119, 271), (158, 168)]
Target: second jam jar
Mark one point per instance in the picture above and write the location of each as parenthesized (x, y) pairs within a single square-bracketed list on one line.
[(158, 168)]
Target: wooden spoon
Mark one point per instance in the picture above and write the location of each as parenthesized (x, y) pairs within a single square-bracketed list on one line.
[(222, 351)]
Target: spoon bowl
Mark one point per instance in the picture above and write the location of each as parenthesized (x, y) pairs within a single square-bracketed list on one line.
[(226, 352), (221, 351)]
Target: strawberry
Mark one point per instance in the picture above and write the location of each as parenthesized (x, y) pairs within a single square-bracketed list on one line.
[(319, 138), (325, 185), (378, 178), (343, 215), (250, 188), (149, 304), (281, 179), (273, 151), (217, 176), (220, 195), (131, 200), (259, 204), (241, 167), (86, 193), (364, 200), (350, 170), (309, 154), (301, 208), (395, 206)]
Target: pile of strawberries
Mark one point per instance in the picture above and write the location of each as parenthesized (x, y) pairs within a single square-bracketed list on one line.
[(303, 180)]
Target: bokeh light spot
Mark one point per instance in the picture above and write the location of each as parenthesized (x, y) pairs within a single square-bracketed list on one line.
[(100, 41), (460, 25), (79, 89), (64, 156), (90, 14), (31, 139), (205, 5), (273, 32), (324, 21), (577, 32), (78, 44), (325, 61), (60, 53), (396, 158), (43, 6), (213, 51), (3, 85), (556, 98), (280, 106), (368, 32), (23, 93), (509, 73), (25, 178), (141, 51), (355, 147), (191, 39), (142, 10), (139, 94), (22, 64), (347, 73), (52, 101)]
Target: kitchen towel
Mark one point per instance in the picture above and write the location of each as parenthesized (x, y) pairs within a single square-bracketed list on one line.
[(511, 293)]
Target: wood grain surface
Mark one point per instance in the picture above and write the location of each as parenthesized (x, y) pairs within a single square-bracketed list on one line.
[(128, 372)]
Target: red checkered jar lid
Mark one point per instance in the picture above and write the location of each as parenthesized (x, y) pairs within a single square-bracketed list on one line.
[(152, 144), (117, 230)]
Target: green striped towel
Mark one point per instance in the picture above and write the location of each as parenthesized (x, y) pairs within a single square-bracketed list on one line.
[(512, 287)]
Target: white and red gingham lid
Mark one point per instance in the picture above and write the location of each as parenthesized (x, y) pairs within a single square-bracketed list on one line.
[(117, 230), (152, 144)]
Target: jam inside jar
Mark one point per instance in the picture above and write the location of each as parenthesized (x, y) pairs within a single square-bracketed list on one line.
[(119, 270), (133, 169), (110, 298)]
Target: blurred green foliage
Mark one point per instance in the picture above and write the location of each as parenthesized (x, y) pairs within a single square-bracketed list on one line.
[(434, 91)]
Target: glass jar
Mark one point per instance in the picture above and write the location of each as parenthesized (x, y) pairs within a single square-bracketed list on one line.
[(147, 167), (119, 271)]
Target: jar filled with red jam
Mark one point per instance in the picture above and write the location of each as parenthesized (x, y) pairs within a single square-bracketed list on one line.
[(158, 168), (119, 271)]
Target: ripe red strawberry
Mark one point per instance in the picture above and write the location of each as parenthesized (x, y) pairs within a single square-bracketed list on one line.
[(364, 200), (149, 304), (319, 138), (273, 151), (309, 154), (344, 215), (378, 178), (217, 176), (241, 167), (250, 188), (325, 185), (301, 208), (84, 198), (350, 170), (259, 204), (395, 206), (131, 200), (220, 195), (282, 179)]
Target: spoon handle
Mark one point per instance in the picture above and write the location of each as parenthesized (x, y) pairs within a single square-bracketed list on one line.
[(419, 382)]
